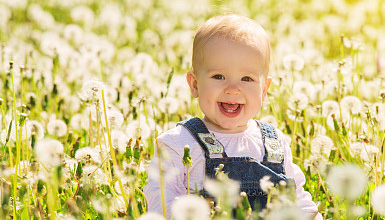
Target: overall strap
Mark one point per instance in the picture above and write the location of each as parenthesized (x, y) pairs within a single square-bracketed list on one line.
[(273, 147), (201, 134)]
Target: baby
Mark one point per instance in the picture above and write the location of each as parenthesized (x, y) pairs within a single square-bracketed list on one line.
[(230, 62)]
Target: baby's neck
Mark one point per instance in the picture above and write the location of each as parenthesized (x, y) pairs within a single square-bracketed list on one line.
[(214, 127)]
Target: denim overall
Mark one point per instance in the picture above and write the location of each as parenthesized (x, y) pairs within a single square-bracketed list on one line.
[(246, 170)]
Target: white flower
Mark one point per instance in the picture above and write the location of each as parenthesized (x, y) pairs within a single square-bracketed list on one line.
[(316, 163), (83, 14), (87, 154), (80, 121), (287, 213), (168, 105), (304, 87), (57, 127), (321, 145), (351, 104), (369, 152), (92, 91), (119, 140), (224, 189), (93, 174), (298, 101), (329, 107), (293, 62), (35, 128), (114, 117), (378, 199), (135, 129), (190, 207), (49, 151), (151, 216), (266, 184), (270, 119), (348, 181)]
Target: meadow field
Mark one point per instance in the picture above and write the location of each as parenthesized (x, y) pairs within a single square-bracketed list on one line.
[(87, 85)]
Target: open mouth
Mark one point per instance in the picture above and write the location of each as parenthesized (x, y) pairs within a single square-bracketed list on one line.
[(230, 109)]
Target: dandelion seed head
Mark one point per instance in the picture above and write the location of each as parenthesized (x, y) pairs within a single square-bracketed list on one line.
[(226, 188), (92, 91), (288, 213), (266, 184), (321, 145), (35, 128), (49, 151), (293, 62), (151, 216), (79, 121), (168, 105), (87, 154), (93, 174), (114, 117), (347, 181), (351, 104), (135, 129), (57, 127), (126, 181), (270, 119), (190, 207), (304, 87), (329, 107), (369, 152), (119, 140), (378, 199), (316, 163), (298, 101), (83, 14)]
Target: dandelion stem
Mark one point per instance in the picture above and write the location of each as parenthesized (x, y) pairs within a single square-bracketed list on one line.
[(112, 151), (161, 180)]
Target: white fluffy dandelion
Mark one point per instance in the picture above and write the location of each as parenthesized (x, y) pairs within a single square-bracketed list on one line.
[(348, 181), (151, 216), (168, 105), (87, 154), (351, 104), (288, 213), (329, 107), (35, 128), (378, 199), (49, 151), (80, 121), (298, 101), (92, 91), (93, 174), (270, 119), (114, 117), (304, 87), (321, 145), (190, 207), (293, 62), (57, 127), (369, 152)]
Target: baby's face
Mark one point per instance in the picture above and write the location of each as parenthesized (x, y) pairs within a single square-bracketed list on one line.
[(230, 84)]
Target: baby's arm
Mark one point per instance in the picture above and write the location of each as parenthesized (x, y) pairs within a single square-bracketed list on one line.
[(173, 180), (303, 198)]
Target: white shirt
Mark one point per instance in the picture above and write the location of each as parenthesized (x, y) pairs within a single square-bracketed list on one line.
[(244, 144)]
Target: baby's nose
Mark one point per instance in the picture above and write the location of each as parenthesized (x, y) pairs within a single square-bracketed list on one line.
[(232, 89)]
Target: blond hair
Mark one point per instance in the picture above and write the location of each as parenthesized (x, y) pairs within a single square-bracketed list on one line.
[(232, 27)]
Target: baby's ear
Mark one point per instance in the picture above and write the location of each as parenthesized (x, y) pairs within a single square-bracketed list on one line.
[(266, 87), (192, 82)]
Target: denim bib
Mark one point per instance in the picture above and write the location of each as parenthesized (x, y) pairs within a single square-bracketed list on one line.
[(246, 170)]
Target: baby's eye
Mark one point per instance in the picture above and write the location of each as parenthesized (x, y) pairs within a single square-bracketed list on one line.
[(247, 79), (218, 76)]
